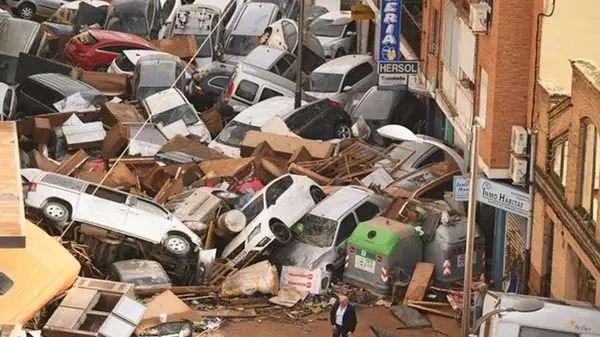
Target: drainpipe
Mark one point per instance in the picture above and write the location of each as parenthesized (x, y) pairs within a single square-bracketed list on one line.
[(531, 183)]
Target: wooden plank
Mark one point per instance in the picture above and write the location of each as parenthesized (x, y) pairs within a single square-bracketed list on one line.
[(419, 282), (431, 304), (12, 223), (68, 166), (297, 169), (285, 146), (433, 311), (229, 313), (200, 290)]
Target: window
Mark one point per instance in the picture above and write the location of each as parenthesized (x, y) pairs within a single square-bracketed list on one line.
[(347, 226), (106, 194), (112, 49), (64, 182), (437, 193), (247, 90), (282, 65), (6, 283), (366, 211), (435, 39), (435, 157), (151, 208), (357, 74), (253, 209), (276, 189), (7, 103), (483, 88), (526, 331), (167, 8), (41, 94), (219, 82), (290, 58), (305, 114), (451, 38), (268, 93), (590, 171), (559, 150)]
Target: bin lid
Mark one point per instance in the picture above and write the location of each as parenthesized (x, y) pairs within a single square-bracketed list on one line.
[(454, 233), (381, 235)]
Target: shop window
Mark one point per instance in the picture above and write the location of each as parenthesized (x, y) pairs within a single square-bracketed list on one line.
[(435, 39), (590, 169), (560, 147)]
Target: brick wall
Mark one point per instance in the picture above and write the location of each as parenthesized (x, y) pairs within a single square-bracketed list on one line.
[(431, 60)]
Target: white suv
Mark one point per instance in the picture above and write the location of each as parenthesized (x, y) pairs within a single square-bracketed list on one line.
[(61, 199)]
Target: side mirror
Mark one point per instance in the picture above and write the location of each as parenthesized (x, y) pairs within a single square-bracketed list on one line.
[(349, 33), (347, 88)]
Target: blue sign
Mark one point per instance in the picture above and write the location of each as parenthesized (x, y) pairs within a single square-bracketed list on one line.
[(398, 67), (460, 188), (389, 35)]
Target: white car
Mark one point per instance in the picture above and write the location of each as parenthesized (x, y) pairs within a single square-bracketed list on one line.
[(342, 78), (61, 199), (126, 62), (336, 40), (270, 214), (319, 238), (169, 10)]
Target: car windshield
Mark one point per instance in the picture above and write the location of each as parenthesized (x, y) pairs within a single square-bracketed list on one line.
[(323, 82), (184, 112), (240, 45), (206, 50), (144, 92), (253, 209), (315, 230), (234, 133), (130, 20), (327, 29)]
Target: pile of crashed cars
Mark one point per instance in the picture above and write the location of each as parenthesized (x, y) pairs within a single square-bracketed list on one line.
[(162, 140)]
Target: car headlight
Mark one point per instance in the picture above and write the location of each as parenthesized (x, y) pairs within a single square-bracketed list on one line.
[(254, 233)]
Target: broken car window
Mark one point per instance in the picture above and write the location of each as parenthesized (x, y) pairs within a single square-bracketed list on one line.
[(234, 133), (327, 30), (151, 208), (323, 82), (315, 230), (184, 112), (253, 209), (276, 189)]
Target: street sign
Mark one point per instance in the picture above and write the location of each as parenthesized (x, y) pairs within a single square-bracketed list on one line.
[(394, 75), (460, 188), (362, 12), (389, 34)]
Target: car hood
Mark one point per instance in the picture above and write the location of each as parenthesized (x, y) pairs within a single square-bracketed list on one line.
[(231, 151), (320, 95), (302, 255), (326, 41)]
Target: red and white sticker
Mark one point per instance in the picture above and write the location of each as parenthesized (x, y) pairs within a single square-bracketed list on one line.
[(379, 258), (384, 274), (347, 262), (447, 268), (352, 250)]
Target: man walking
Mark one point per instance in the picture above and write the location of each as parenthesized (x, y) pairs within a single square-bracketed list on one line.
[(343, 318)]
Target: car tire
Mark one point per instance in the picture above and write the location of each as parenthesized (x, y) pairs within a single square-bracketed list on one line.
[(281, 232), (177, 245), (317, 194), (56, 213), (26, 11), (340, 52), (342, 131), (101, 68)]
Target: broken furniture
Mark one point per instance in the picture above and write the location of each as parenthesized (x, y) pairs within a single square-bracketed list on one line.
[(96, 312)]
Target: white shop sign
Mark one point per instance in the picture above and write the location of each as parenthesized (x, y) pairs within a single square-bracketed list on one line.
[(301, 278)]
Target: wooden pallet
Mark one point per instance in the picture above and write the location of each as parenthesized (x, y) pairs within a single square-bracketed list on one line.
[(220, 272)]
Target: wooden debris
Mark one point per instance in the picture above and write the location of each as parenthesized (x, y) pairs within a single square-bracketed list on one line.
[(220, 271), (196, 290), (70, 165), (419, 282), (284, 146), (297, 169), (433, 311), (229, 313)]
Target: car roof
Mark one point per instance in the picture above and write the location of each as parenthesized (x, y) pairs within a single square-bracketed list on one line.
[(164, 100), (261, 113), (334, 15), (264, 56), (111, 35), (254, 18), (337, 204), (342, 65), (95, 3), (63, 84), (266, 76)]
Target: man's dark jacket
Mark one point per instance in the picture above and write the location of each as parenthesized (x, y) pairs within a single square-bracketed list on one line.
[(349, 319)]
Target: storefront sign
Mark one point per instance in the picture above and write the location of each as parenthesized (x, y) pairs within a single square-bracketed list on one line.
[(460, 188), (300, 278), (362, 12), (389, 35), (503, 196)]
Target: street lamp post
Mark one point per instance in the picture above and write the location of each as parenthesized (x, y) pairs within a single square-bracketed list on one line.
[(339, 21), (523, 306)]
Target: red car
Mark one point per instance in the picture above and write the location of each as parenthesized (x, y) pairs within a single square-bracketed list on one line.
[(96, 49)]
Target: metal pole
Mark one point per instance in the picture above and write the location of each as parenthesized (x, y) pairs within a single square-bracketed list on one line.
[(299, 49), (527, 258), (466, 312)]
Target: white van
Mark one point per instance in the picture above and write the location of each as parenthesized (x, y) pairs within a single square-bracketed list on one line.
[(558, 318)]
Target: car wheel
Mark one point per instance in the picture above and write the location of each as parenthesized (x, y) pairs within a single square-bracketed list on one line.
[(317, 194), (102, 68), (26, 11), (281, 231), (342, 131), (177, 245), (56, 213), (340, 52), (228, 197)]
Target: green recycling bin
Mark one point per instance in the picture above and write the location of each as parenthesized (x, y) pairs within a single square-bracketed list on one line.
[(378, 251)]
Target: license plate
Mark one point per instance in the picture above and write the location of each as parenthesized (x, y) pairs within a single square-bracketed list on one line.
[(365, 264), (460, 260)]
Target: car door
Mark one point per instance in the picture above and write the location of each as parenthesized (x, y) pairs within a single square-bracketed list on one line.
[(103, 207), (147, 220), (345, 229), (309, 122)]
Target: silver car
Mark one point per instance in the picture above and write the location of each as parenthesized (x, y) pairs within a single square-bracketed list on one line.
[(342, 78), (319, 238), (337, 40), (28, 9), (61, 199)]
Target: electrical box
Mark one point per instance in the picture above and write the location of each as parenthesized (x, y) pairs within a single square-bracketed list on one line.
[(517, 169), (518, 140), (478, 16)]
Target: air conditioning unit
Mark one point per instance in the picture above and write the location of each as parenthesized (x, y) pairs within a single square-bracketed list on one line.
[(518, 140), (517, 169), (478, 16)]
